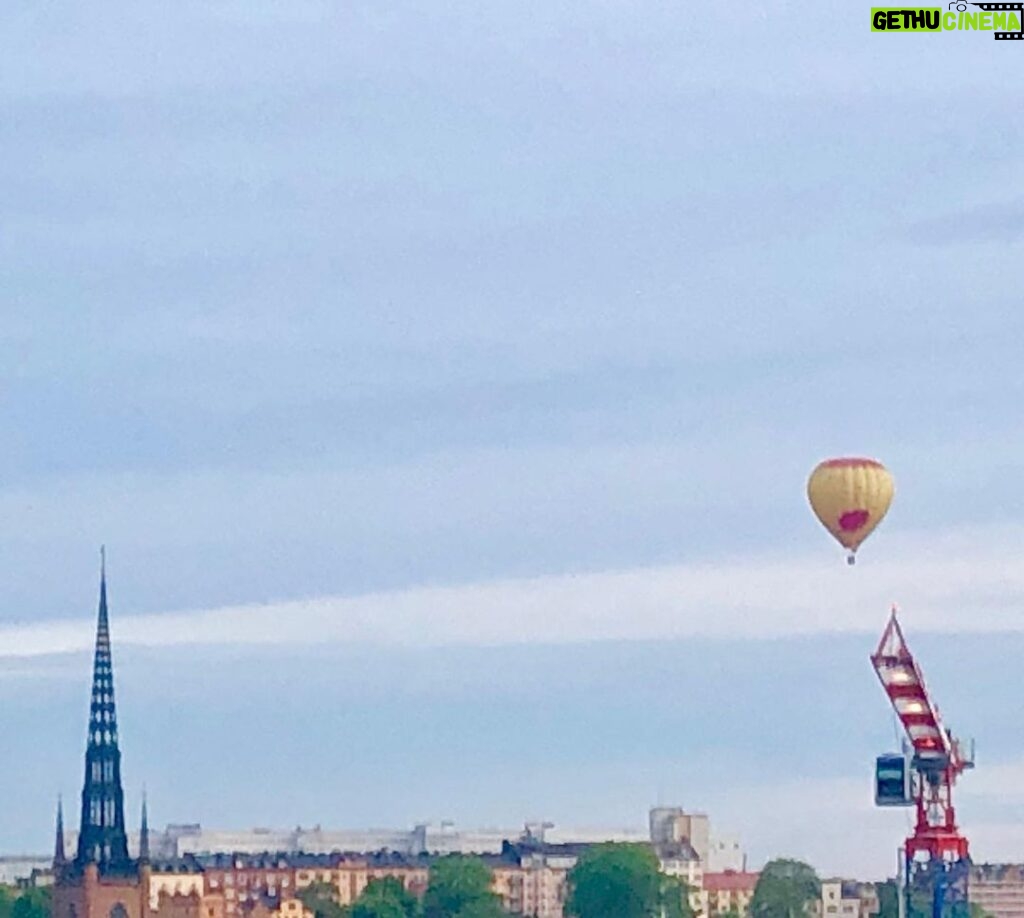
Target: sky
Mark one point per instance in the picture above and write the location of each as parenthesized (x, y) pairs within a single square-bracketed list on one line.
[(443, 379)]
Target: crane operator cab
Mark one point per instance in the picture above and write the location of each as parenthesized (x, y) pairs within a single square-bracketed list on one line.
[(893, 781)]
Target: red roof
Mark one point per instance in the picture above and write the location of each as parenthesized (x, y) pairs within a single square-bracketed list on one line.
[(730, 881)]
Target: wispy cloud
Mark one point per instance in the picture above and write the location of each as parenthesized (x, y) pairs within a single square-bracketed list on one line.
[(970, 581), (822, 816)]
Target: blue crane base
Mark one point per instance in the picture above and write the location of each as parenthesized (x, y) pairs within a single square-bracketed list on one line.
[(938, 889)]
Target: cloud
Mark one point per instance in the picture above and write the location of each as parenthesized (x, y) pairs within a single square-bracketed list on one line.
[(970, 581), (823, 817)]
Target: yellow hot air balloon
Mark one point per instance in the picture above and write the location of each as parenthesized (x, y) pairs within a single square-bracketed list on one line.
[(850, 497)]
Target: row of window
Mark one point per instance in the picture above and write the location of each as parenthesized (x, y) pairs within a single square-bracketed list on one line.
[(102, 771), (243, 880), (101, 812)]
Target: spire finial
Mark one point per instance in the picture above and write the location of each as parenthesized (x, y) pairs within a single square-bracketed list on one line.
[(58, 845), (144, 829)]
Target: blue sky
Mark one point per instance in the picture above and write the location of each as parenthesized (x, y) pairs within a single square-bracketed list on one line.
[(434, 371)]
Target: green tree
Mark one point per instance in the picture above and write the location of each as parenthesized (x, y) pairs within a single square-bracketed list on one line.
[(784, 889), (888, 899), (460, 887), (674, 898), (322, 900), (32, 903), (623, 880), (387, 898), (7, 896)]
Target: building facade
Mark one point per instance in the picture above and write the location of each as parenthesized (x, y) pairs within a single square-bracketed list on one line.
[(728, 892), (846, 899), (998, 889), (725, 853)]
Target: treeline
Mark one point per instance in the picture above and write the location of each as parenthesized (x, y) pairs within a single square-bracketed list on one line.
[(614, 879), (459, 888), (609, 881), (28, 903)]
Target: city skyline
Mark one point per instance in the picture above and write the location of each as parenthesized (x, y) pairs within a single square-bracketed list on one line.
[(444, 383), (817, 794)]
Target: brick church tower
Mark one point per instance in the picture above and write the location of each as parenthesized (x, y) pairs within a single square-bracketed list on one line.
[(102, 880)]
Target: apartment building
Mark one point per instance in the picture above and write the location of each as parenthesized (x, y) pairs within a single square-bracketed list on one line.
[(846, 899), (728, 892), (998, 889)]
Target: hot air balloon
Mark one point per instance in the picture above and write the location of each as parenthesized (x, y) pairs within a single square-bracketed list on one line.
[(850, 497)]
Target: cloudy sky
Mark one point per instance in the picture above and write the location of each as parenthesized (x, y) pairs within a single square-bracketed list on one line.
[(443, 378)]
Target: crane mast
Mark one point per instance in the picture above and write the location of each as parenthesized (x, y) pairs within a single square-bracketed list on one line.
[(936, 859)]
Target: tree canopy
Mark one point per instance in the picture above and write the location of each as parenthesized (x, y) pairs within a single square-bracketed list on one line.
[(322, 900), (674, 898), (460, 887), (616, 879), (386, 898), (784, 889), (29, 903), (888, 899)]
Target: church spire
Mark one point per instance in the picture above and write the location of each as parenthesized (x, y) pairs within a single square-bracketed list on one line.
[(144, 832), (102, 839), (58, 845)]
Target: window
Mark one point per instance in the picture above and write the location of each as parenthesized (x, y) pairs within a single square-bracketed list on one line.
[(119, 911)]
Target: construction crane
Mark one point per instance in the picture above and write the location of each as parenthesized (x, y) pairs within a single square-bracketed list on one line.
[(935, 860)]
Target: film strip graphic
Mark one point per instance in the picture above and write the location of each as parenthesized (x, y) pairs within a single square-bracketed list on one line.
[(1005, 8)]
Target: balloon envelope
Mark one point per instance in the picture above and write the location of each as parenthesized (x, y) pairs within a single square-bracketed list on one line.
[(850, 497)]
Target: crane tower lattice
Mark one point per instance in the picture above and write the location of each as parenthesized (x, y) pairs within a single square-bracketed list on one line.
[(937, 857)]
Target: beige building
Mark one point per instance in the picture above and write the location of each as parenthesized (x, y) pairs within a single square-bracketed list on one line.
[(680, 860), (846, 899), (728, 892), (538, 890), (671, 825), (292, 908), (998, 889), (355, 874), (532, 878), (167, 884)]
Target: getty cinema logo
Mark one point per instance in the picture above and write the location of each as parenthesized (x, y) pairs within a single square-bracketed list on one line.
[(1002, 19)]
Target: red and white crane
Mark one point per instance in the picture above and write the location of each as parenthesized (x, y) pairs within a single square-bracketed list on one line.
[(937, 854)]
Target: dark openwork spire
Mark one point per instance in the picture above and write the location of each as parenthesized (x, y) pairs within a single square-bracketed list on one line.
[(144, 833), (102, 839), (58, 844)]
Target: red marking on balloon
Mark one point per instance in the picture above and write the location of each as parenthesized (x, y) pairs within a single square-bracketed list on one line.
[(851, 463), (852, 520)]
